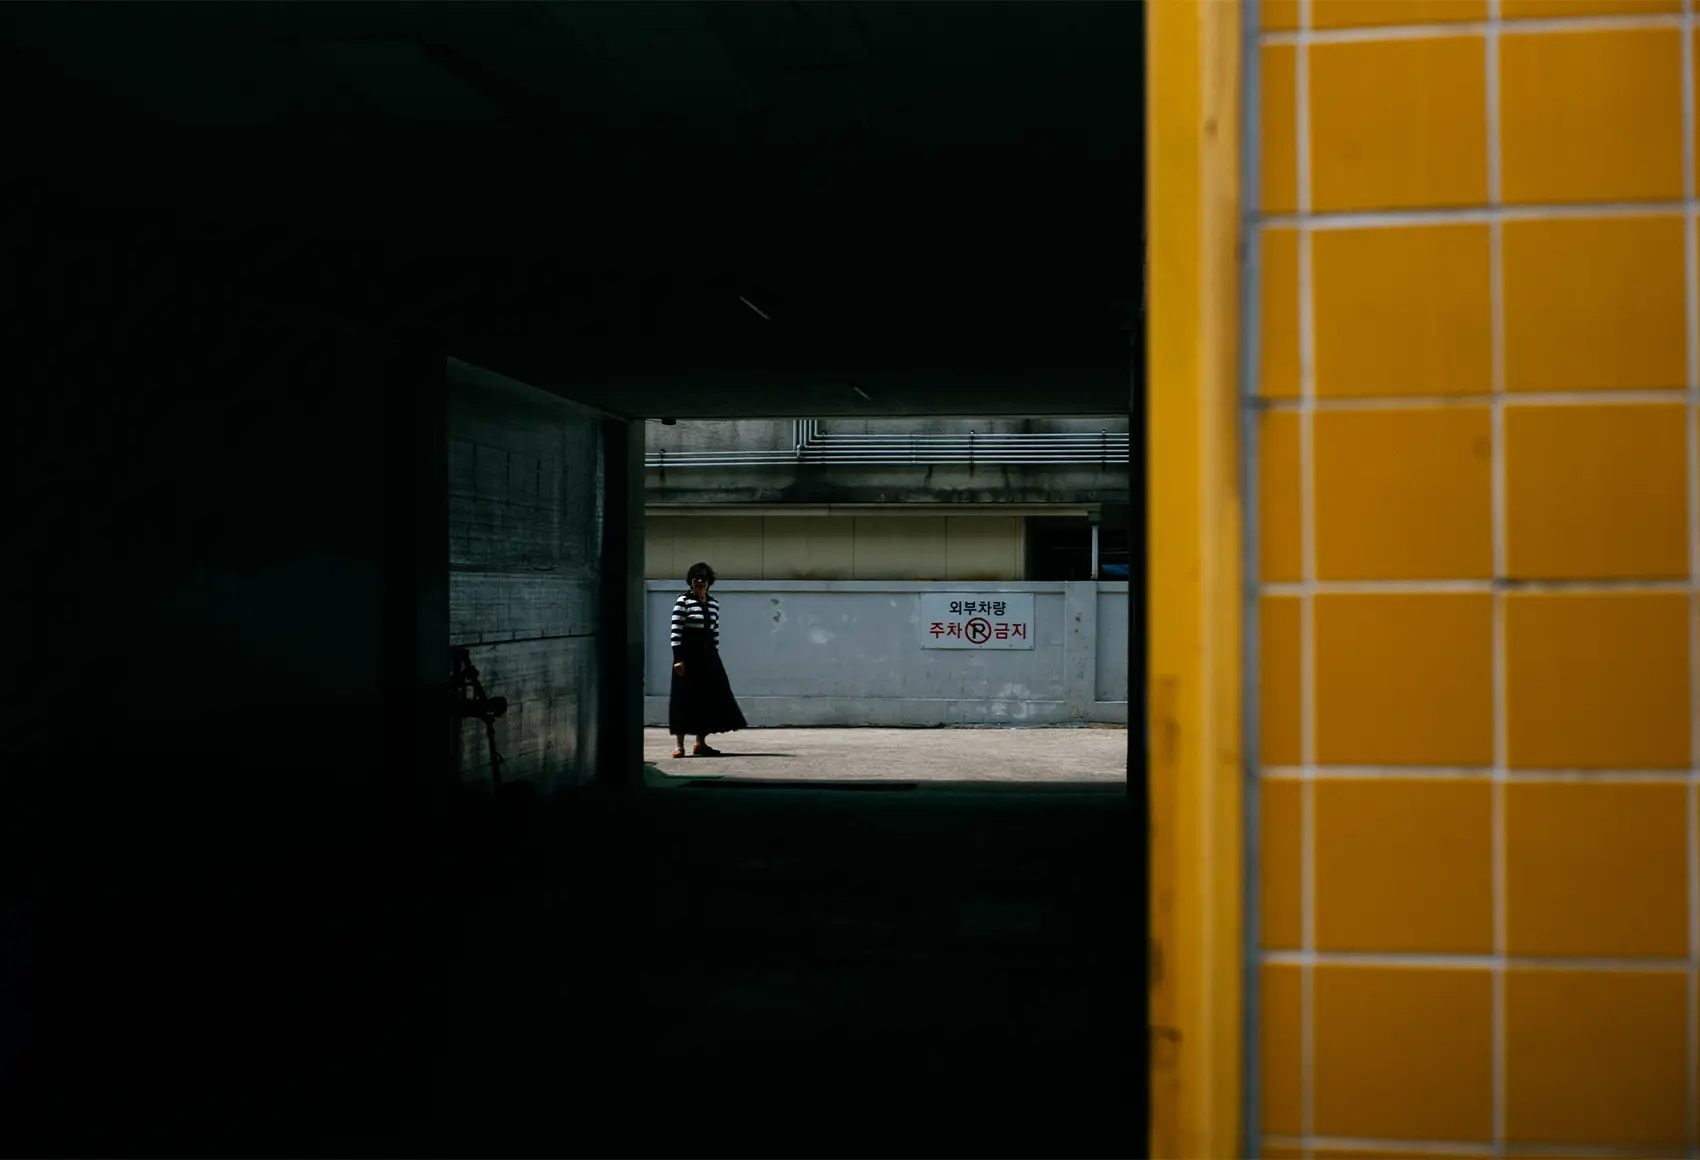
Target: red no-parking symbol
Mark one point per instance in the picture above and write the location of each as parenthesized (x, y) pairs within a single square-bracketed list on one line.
[(978, 630)]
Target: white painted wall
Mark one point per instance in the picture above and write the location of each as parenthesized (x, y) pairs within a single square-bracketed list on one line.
[(847, 653)]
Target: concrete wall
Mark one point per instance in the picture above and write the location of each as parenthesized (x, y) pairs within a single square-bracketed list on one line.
[(229, 651), (1114, 607), (820, 483), (859, 547), (525, 533), (846, 653), (247, 544)]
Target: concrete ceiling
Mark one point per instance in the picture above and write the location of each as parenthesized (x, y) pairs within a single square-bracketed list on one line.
[(657, 208)]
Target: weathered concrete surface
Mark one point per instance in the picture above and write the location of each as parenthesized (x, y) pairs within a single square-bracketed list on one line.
[(847, 653), (920, 482), (525, 532), (1092, 753)]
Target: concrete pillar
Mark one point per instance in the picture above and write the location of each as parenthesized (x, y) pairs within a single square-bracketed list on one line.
[(620, 748), (1080, 648), (526, 483)]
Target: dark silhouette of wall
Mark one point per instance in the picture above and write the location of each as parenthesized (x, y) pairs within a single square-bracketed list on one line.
[(242, 929), (229, 526), (526, 532)]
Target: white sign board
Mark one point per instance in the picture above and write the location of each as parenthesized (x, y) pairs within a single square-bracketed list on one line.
[(976, 620)]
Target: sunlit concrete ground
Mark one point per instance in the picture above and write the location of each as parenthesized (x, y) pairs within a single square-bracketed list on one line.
[(1092, 753)]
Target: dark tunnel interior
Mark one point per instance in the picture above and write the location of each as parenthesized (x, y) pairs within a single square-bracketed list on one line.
[(251, 908)]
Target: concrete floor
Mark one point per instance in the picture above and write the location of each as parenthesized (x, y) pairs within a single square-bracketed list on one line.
[(958, 967), (1097, 754)]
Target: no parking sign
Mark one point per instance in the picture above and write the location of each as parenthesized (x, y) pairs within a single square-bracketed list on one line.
[(976, 620)]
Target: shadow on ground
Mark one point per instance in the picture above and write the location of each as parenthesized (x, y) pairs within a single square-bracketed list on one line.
[(798, 971)]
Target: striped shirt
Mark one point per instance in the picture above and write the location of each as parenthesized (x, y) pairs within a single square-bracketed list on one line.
[(689, 612)]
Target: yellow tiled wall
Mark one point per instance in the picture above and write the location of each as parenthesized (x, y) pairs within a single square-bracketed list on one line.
[(1480, 821)]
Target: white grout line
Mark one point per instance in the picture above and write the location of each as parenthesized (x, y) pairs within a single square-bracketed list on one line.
[(1360, 772), (1369, 1147), (1307, 940), (1691, 247), (1419, 587), (1693, 801), (1376, 587), (1665, 966), (1496, 306), (1674, 396), (1472, 28), (1307, 572), (1496, 287), (1478, 215), (1496, 315), (1584, 1152), (1477, 773)]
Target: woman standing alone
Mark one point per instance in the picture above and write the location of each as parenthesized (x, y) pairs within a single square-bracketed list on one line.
[(701, 702)]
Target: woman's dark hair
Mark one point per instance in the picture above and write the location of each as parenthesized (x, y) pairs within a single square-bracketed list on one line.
[(699, 572)]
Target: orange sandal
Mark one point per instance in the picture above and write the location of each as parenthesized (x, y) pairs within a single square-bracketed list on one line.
[(705, 751), (678, 753)]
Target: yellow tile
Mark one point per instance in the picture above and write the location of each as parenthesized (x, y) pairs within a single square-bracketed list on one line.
[(1597, 680), (1404, 679), (1376, 13), (1376, 1154), (1547, 9), (1582, 1153), (1595, 492), (1398, 124), (1403, 1054), (1279, 1152), (1404, 867), (1591, 116), (1282, 1018), (1279, 351), (1280, 15), (1596, 870), (1280, 837), (1279, 509), (1380, 327), (1595, 304), (1279, 676), (1280, 134), (1596, 1057), (1404, 495)]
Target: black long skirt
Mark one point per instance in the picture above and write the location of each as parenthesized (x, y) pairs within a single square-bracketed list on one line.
[(701, 701)]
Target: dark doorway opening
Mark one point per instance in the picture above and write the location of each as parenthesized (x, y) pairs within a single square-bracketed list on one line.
[(937, 209), (1080, 548), (877, 578)]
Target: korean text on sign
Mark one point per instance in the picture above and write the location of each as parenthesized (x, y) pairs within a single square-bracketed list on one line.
[(998, 631), (983, 607), (991, 620)]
